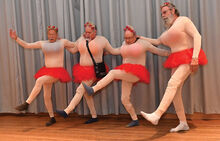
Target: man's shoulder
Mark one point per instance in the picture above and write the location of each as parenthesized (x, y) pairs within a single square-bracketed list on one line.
[(100, 37), (183, 18)]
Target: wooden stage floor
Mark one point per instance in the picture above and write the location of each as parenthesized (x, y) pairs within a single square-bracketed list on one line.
[(30, 127)]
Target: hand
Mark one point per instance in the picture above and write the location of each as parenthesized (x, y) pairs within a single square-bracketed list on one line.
[(194, 64), (13, 34)]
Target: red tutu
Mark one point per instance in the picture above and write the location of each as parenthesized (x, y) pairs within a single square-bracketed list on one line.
[(59, 73), (82, 73), (138, 70), (184, 57)]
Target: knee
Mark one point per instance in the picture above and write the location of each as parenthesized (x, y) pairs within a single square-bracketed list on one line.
[(38, 82), (113, 72), (80, 90)]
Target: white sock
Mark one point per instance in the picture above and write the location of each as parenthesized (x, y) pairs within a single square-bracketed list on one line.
[(183, 126), (153, 118)]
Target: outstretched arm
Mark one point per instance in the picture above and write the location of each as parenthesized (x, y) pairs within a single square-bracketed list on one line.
[(70, 46), (155, 42), (110, 49), (22, 43), (155, 50)]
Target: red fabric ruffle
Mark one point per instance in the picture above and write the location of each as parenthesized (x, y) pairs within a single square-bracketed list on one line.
[(59, 73), (82, 73), (138, 70), (184, 57)]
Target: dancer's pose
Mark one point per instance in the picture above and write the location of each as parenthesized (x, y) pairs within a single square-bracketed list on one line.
[(131, 71), (53, 71), (185, 43), (84, 71)]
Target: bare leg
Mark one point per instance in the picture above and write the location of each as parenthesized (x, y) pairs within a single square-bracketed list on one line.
[(178, 78)]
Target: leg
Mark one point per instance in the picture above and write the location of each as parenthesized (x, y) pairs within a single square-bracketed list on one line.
[(47, 98), (48, 103), (113, 74), (36, 90), (91, 105), (178, 104), (178, 77), (75, 100), (125, 98)]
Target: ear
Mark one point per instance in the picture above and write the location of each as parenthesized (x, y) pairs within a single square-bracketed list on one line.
[(173, 11)]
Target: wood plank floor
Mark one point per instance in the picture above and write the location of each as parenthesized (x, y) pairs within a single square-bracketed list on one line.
[(30, 127)]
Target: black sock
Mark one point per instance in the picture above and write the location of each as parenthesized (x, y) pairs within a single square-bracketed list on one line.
[(51, 121), (133, 123), (62, 113), (91, 120), (22, 107), (88, 89)]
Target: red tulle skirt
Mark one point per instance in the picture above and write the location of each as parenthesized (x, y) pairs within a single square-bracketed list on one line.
[(184, 57), (138, 70), (82, 73), (59, 73)]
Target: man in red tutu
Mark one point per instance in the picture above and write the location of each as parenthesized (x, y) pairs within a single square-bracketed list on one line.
[(132, 70), (84, 71), (53, 71), (185, 43)]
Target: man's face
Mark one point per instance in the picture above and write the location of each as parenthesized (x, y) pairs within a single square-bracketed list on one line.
[(129, 37), (52, 36), (167, 16), (89, 33)]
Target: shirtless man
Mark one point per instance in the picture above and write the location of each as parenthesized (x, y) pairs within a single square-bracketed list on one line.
[(132, 70), (185, 43), (84, 71), (53, 50)]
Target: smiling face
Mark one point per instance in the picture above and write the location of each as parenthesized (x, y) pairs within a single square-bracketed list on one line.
[(52, 36)]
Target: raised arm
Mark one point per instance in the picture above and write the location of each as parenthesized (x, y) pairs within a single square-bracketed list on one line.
[(70, 46), (155, 50), (155, 42), (110, 49), (22, 43)]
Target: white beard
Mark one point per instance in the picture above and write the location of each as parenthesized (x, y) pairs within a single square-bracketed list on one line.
[(168, 21)]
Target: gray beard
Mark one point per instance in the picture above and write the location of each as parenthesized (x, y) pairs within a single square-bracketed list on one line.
[(168, 21)]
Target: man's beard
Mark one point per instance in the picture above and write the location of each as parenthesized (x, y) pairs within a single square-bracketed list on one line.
[(168, 21)]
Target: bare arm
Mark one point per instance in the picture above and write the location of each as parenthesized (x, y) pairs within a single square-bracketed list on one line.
[(155, 42), (70, 46), (155, 50), (22, 43)]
